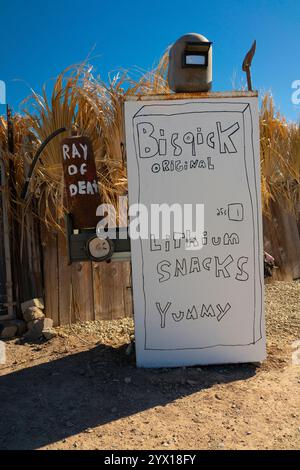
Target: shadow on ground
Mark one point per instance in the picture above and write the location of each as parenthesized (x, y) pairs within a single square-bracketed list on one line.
[(55, 400)]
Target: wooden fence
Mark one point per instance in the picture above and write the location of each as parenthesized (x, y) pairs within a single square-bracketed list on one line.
[(102, 291), (83, 291), (3, 298)]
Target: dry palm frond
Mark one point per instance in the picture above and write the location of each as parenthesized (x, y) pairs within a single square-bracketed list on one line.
[(280, 157), (91, 107), (84, 104)]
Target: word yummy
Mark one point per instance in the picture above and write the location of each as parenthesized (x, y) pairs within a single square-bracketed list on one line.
[(195, 312)]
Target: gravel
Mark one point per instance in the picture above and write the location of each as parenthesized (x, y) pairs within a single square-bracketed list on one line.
[(282, 307)]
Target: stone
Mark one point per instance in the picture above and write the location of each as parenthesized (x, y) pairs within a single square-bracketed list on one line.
[(22, 327), (36, 328), (49, 333), (39, 303), (33, 313), (8, 331), (62, 335), (196, 420), (34, 331)]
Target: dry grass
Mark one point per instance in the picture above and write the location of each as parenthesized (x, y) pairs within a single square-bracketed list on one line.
[(280, 157), (86, 105)]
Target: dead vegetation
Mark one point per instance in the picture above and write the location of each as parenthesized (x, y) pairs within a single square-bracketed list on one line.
[(84, 104)]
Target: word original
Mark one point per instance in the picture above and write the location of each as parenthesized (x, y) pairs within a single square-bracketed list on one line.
[(179, 165)]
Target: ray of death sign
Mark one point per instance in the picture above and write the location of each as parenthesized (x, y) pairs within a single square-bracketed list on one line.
[(194, 174), (80, 177)]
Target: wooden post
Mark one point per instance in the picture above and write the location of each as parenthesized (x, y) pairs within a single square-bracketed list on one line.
[(9, 284)]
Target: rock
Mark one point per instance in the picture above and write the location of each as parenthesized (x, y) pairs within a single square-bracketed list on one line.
[(18, 325), (8, 331), (39, 303), (47, 323), (196, 420), (218, 397), (34, 331), (36, 328), (22, 327), (62, 335), (49, 334), (33, 313)]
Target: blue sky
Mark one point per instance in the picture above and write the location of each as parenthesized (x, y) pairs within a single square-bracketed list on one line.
[(40, 38)]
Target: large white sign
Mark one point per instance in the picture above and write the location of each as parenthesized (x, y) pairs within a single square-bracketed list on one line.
[(198, 296)]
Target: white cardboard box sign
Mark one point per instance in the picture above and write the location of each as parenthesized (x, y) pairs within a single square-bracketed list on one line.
[(201, 305)]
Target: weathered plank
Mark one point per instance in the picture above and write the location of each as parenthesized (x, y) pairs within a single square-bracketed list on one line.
[(127, 286), (50, 247), (64, 281), (37, 260), (101, 290), (82, 288), (109, 281)]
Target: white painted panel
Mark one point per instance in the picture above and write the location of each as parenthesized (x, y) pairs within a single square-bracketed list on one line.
[(200, 306)]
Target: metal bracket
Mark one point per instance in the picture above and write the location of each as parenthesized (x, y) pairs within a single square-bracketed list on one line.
[(77, 243)]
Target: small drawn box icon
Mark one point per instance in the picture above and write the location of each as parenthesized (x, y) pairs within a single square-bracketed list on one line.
[(236, 212)]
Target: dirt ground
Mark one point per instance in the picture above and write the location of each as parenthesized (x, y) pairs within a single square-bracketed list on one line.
[(81, 390)]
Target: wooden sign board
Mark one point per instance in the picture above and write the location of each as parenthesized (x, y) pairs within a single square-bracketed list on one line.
[(81, 183), (206, 306)]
